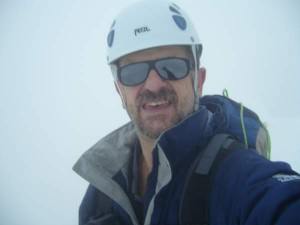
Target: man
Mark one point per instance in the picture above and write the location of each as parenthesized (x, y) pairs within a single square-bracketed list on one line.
[(144, 172)]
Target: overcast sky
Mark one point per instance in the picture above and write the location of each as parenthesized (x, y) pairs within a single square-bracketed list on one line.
[(57, 97)]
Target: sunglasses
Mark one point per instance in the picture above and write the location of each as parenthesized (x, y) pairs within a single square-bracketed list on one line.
[(172, 68)]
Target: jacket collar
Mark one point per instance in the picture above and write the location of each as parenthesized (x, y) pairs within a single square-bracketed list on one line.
[(104, 160), (113, 154), (193, 132)]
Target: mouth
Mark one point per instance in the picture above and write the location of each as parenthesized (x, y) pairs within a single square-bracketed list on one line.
[(156, 105), (161, 102)]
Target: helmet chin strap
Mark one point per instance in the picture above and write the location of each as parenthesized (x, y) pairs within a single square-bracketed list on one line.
[(195, 78)]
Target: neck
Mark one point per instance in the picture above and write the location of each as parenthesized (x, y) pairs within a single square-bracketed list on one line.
[(147, 146), (145, 161)]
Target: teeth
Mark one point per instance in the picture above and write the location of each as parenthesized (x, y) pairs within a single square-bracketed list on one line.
[(156, 103)]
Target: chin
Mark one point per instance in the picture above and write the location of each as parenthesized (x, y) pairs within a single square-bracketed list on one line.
[(153, 131)]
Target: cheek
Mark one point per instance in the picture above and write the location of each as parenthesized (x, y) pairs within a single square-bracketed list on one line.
[(130, 94), (186, 97), (185, 89)]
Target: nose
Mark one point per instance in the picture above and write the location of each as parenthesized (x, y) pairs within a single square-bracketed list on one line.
[(154, 82)]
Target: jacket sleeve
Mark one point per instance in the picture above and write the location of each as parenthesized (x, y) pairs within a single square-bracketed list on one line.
[(251, 190)]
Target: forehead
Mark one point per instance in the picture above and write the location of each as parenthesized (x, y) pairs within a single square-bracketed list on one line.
[(155, 53)]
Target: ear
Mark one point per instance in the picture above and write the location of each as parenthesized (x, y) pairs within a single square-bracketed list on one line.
[(201, 79), (118, 88)]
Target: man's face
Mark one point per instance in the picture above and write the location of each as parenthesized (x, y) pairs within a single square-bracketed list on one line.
[(156, 104)]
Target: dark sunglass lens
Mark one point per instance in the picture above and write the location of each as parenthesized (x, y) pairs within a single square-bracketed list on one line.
[(133, 74), (172, 69)]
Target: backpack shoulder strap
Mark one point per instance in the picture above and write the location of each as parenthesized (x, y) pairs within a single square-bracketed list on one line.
[(207, 158), (194, 207)]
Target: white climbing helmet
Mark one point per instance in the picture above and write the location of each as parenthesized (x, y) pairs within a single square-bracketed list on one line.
[(147, 24)]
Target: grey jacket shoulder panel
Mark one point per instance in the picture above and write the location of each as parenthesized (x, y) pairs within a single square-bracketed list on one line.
[(101, 162), (109, 155)]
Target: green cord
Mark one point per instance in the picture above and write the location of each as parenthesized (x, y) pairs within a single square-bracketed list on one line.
[(225, 93), (243, 125), (268, 147)]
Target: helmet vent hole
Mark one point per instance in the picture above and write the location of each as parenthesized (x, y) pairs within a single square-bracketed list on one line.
[(180, 22), (174, 10), (175, 6), (110, 38)]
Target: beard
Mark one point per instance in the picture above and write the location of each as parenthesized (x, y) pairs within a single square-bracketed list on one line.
[(147, 126)]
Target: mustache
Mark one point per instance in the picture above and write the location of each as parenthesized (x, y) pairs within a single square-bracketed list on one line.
[(163, 94)]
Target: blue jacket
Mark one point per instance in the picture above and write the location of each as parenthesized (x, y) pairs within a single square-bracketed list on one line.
[(246, 188)]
